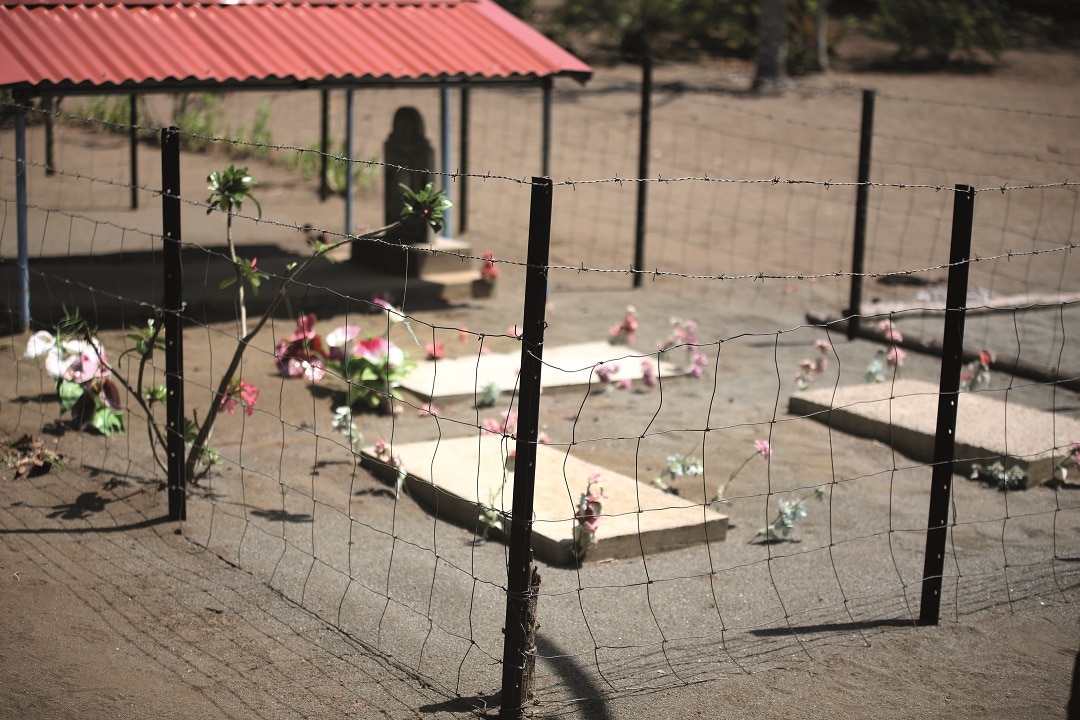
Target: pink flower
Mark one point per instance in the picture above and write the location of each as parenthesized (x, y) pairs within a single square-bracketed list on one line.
[(506, 426), (514, 331), (648, 373), (895, 356), (489, 271), (823, 346), (605, 371), (624, 332), (338, 341), (624, 384), (698, 363), (819, 365), (1074, 453), (88, 365), (305, 328), (379, 351), (462, 335), (428, 409), (244, 392), (763, 448), (297, 353), (435, 350), (890, 331)]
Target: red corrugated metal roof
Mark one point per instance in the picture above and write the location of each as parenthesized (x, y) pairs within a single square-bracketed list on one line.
[(51, 45)]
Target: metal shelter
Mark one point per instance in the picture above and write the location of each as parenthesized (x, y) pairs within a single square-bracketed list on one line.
[(51, 48)]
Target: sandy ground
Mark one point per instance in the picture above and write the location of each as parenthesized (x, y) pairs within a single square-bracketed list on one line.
[(300, 587)]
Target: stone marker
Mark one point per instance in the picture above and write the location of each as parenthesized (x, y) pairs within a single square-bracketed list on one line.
[(409, 158)]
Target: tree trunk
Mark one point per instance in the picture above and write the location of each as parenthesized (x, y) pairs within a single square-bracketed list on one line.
[(772, 49), (821, 39)]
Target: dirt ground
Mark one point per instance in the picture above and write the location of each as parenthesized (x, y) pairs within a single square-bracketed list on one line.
[(108, 612)]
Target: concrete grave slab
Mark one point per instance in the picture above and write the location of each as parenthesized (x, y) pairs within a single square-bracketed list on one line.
[(564, 365), (458, 479), (904, 414)]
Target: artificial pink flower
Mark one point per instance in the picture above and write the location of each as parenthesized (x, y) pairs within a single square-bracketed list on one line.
[(624, 384), (823, 346), (244, 392), (890, 331), (435, 350), (698, 363), (648, 373), (489, 271), (624, 332), (605, 371), (895, 356), (763, 448), (379, 351)]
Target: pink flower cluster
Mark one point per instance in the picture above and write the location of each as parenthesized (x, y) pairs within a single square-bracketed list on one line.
[(589, 507), (305, 353), (489, 271), (809, 369), (624, 332), (507, 425), (894, 356), (243, 393)]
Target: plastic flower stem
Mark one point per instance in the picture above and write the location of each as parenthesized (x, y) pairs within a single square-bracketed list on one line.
[(198, 446)]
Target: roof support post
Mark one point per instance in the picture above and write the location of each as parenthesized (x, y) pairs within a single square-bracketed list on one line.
[(133, 139), (444, 122), (463, 148), (23, 321), (324, 145), (348, 161)]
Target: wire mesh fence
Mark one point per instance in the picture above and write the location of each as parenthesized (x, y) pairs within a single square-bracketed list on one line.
[(388, 520)]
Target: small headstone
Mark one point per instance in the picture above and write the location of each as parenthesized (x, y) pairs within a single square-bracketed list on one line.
[(409, 157)]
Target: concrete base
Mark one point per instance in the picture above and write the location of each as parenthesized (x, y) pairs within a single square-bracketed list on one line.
[(904, 415), (441, 255), (459, 479)]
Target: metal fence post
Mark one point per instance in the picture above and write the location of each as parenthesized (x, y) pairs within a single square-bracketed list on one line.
[(172, 320), (862, 198), (952, 360), (519, 566), (643, 165)]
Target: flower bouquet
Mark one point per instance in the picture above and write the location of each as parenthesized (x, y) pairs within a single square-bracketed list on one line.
[(371, 365)]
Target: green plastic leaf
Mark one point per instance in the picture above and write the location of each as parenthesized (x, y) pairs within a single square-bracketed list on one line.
[(69, 392)]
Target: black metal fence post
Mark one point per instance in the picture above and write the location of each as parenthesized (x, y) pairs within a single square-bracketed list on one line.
[(519, 568), (862, 198), (952, 360), (173, 322), (643, 165)]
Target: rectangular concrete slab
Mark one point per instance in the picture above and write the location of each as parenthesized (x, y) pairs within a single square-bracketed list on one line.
[(564, 365), (458, 479), (988, 429)]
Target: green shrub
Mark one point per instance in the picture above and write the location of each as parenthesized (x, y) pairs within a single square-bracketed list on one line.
[(941, 28)]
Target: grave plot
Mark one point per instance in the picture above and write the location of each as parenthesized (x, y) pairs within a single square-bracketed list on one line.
[(565, 365), (904, 414), (459, 480)]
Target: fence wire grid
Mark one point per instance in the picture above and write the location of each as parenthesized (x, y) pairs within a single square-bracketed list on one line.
[(743, 310)]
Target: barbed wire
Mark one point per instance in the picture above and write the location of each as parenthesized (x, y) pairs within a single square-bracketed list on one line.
[(614, 180)]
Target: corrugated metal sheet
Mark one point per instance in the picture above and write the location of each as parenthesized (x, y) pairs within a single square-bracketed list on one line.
[(51, 45)]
